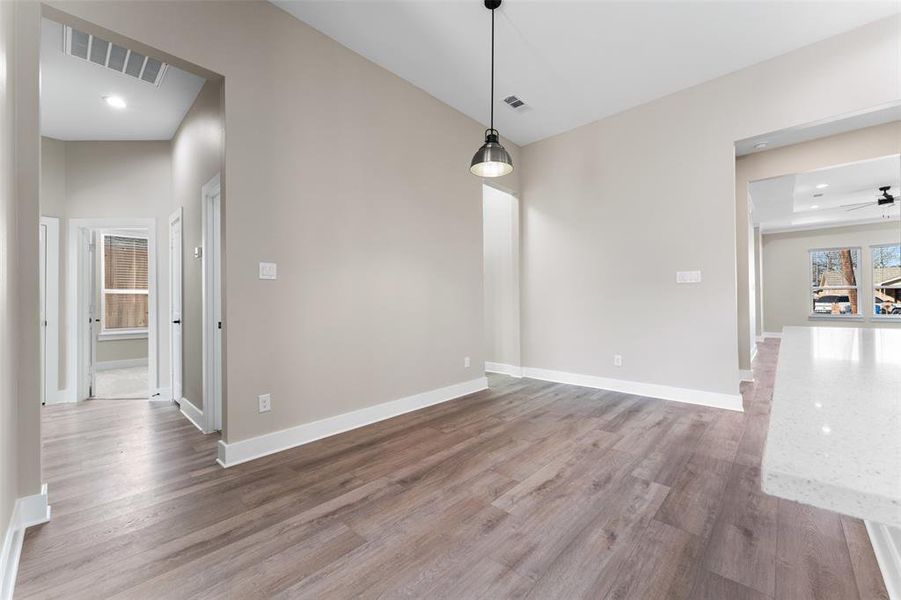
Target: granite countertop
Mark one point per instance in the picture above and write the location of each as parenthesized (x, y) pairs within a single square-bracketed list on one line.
[(834, 438)]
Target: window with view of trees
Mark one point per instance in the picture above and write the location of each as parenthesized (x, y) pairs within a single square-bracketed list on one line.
[(887, 280), (834, 281), (124, 290)]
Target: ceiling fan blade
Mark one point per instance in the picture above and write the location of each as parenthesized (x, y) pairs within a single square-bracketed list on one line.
[(858, 207)]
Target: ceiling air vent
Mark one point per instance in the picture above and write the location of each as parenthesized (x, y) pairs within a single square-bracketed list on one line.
[(514, 102), (105, 54)]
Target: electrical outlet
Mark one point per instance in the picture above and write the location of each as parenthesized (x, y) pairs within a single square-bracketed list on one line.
[(265, 402), (466, 362), (617, 360)]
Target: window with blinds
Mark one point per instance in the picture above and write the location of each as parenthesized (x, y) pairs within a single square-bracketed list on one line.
[(124, 290)]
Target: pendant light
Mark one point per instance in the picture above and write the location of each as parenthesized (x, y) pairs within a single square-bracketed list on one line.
[(491, 160)]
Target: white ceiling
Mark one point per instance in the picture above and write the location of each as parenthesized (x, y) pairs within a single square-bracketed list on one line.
[(574, 62), (788, 202), (72, 90)]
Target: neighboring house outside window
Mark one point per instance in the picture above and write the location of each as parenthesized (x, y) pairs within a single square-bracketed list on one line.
[(124, 290), (834, 281), (887, 280)]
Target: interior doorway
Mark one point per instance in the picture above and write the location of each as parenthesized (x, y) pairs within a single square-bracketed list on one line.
[(49, 308), (212, 302), (500, 229), (112, 299), (175, 306)]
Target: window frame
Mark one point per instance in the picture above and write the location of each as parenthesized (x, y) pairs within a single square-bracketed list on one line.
[(811, 289), (873, 286), (120, 333)]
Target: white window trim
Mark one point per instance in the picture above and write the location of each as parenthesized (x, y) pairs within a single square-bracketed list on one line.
[(119, 333), (873, 316), (815, 316)]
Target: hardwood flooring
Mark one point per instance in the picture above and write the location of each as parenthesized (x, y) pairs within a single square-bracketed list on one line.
[(528, 490)]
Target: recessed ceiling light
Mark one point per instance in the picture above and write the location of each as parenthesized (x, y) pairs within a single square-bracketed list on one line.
[(812, 206), (115, 101), (822, 185), (760, 146)]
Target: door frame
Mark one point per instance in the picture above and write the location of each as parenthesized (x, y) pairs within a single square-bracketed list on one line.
[(211, 242), (176, 258), (50, 392), (78, 292)]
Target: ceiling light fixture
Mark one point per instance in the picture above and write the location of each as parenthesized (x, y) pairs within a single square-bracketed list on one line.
[(492, 159), (115, 101), (821, 186), (812, 206)]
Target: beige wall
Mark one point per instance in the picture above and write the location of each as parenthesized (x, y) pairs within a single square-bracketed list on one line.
[(853, 146), (9, 484), (113, 350), (501, 283), (379, 294), (28, 325), (196, 158), (112, 180), (786, 273), (53, 202), (612, 209)]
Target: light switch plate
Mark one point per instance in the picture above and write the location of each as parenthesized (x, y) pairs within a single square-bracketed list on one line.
[(198, 252), (688, 277), (268, 270), (265, 401)]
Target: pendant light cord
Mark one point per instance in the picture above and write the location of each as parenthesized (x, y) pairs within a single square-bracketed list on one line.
[(492, 69)]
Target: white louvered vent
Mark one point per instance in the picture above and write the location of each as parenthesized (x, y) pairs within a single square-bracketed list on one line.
[(112, 56)]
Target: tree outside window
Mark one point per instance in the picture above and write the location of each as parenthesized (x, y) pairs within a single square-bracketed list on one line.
[(834, 281)]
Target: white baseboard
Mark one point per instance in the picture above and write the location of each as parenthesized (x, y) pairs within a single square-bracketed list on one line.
[(772, 334), (503, 369), (126, 363), (235, 453), (746, 374), (651, 390), (887, 548), (162, 395), (191, 413), (27, 511)]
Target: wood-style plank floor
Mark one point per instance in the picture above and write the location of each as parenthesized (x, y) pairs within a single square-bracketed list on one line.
[(529, 490)]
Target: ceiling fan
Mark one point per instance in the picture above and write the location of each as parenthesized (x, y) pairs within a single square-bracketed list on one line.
[(885, 199)]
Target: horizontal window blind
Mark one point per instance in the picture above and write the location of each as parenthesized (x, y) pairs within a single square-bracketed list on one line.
[(125, 290), (125, 265)]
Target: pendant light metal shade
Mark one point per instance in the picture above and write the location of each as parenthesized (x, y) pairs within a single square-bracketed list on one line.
[(492, 159)]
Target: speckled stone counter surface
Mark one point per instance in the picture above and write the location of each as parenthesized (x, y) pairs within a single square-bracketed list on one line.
[(834, 438)]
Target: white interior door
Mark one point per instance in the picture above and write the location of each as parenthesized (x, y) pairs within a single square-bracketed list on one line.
[(217, 310), (212, 305), (175, 303), (94, 313), (42, 259)]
